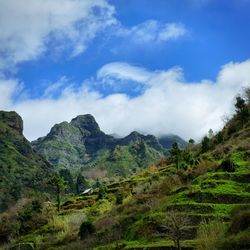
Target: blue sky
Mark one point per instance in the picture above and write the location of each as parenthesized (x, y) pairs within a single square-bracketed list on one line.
[(134, 65)]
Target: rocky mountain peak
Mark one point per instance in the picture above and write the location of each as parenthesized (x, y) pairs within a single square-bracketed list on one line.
[(60, 129), (85, 122), (13, 120), (134, 136), (167, 140), (81, 143)]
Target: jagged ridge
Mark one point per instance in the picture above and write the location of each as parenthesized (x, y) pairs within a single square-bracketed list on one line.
[(81, 144)]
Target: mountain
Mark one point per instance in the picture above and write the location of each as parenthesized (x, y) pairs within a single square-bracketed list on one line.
[(80, 144), (73, 144), (128, 156), (150, 140), (201, 201), (167, 141), (22, 169)]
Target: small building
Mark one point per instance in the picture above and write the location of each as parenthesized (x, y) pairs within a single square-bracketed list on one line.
[(87, 191)]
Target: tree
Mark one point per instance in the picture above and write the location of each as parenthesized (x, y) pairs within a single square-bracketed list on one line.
[(59, 185), (187, 157), (102, 192), (241, 109), (205, 144), (191, 141), (81, 183), (97, 184), (67, 177), (175, 152), (219, 138), (119, 198), (177, 227), (210, 133), (247, 96)]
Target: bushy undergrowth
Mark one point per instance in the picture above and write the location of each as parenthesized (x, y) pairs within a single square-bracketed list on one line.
[(27, 215), (210, 234)]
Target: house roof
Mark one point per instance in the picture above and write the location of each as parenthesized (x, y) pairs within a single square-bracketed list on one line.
[(86, 191)]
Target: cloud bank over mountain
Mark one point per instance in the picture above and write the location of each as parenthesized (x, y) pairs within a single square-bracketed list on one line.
[(123, 94), (168, 103)]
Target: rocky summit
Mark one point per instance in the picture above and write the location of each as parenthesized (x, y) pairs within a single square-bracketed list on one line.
[(167, 140)]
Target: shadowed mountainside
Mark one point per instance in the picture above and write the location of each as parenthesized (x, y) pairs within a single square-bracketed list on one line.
[(22, 169)]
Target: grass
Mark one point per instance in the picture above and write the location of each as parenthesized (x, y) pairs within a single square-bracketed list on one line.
[(160, 243), (148, 197), (209, 233), (167, 244)]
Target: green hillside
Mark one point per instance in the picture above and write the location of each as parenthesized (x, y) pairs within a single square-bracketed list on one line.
[(22, 169), (81, 146), (197, 198)]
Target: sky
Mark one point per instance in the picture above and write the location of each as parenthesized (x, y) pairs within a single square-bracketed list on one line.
[(158, 67)]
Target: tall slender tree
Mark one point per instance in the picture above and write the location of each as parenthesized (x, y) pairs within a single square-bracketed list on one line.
[(59, 185), (242, 110), (175, 152)]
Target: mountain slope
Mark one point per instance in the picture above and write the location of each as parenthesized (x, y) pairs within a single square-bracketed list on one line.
[(213, 199), (167, 141), (80, 144), (73, 144), (202, 204), (22, 169)]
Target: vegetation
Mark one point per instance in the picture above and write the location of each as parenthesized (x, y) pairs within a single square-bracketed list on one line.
[(177, 227), (22, 169), (195, 198), (59, 185), (80, 146), (86, 229)]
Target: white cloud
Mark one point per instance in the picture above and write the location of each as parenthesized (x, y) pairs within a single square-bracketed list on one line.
[(27, 25), (54, 88), (152, 31), (7, 90), (30, 27), (172, 31), (169, 104), (124, 71)]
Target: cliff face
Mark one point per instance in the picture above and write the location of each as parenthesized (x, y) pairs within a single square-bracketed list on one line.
[(12, 120), (21, 168), (74, 144)]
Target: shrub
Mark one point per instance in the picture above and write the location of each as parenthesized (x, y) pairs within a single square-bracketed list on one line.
[(56, 224), (233, 242), (209, 234), (31, 216), (203, 167), (228, 165), (240, 221), (119, 198), (219, 137), (25, 216), (86, 229), (106, 222), (9, 227), (167, 185), (205, 144), (102, 192)]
